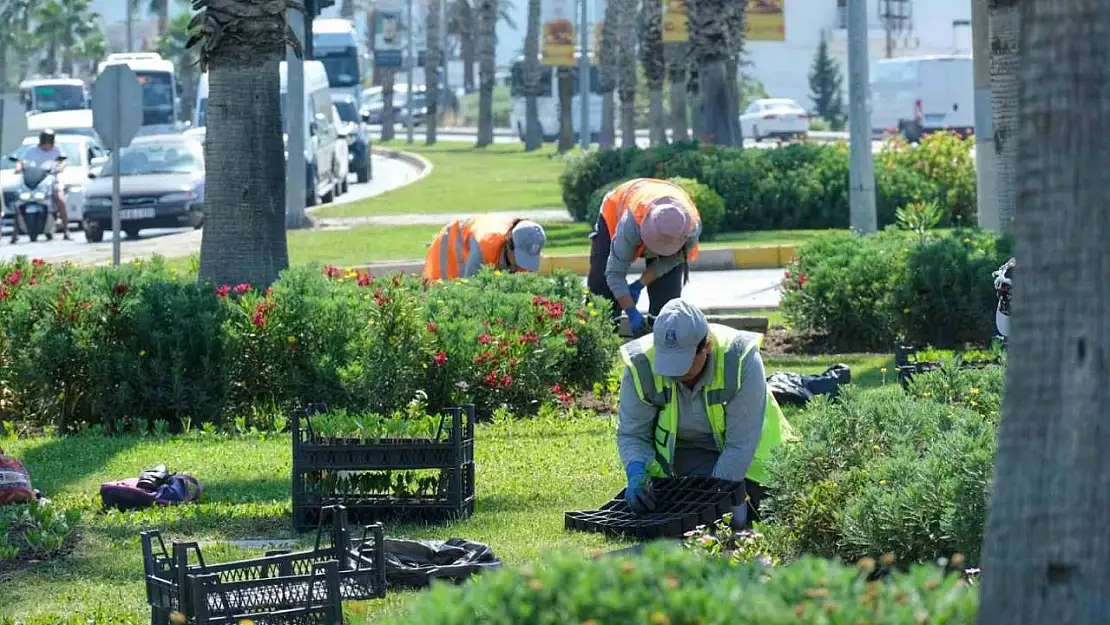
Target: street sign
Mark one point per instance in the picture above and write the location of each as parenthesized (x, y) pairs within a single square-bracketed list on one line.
[(13, 123), (117, 107)]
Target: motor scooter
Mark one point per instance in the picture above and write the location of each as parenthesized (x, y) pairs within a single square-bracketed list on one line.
[(36, 210)]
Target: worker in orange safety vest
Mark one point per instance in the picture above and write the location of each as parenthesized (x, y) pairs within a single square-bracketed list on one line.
[(496, 239)]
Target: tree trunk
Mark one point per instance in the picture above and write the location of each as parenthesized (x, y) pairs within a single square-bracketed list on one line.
[(566, 117), (626, 69), (679, 114), (487, 66), (711, 46), (697, 114), (736, 16), (1005, 49), (466, 50), (244, 229), (431, 72), (533, 133), (608, 137), (608, 69), (163, 12), (732, 74), (1045, 549), (389, 75), (655, 69)]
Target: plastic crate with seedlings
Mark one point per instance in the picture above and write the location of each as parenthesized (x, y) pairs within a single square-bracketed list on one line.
[(910, 360), (408, 466), (280, 587), (682, 504)]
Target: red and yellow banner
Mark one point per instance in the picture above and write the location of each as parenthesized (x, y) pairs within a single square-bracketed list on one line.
[(558, 33), (676, 27), (765, 20)]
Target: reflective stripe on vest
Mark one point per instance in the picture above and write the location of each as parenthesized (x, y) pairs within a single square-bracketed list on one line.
[(636, 196), (639, 357), (450, 250)]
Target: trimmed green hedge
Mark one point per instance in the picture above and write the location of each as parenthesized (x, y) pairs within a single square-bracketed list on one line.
[(799, 186)]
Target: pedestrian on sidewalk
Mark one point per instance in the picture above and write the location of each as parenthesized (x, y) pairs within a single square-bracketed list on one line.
[(694, 401), (643, 218), (496, 239)]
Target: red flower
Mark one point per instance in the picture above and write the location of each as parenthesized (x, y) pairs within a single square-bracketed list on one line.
[(787, 274), (802, 280), (432, 327), (556, 309), (241, 288), (269, 291), (491, 379), (440, 358), (484, 339), (528, 337), (565, 398), (506, 381), (38, 262), (332, 271), (571, 337), (483, 357), (14, 277), (4, 293), (222, 291), (555, 388), (365, 279), (120, 289), (396, 280), (539, 300)]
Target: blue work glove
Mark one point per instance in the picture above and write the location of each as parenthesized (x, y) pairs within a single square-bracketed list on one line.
[(634, 290), (635, 319), (639, 495)]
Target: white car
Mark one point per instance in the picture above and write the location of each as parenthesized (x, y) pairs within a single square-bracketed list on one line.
[(774, 117), (342, 161), (82, 155)]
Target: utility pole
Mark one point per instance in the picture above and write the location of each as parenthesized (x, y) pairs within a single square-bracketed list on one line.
[(310, 10), (862, 175), (130, 20), (410, 30), (584, 73), (986, 177), (296, 170)]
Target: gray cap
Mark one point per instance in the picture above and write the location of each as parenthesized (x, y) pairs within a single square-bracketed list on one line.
[(528, 241), (678, 330)]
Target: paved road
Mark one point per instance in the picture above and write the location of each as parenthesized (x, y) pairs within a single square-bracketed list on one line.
[(388, 174), (722, 291)]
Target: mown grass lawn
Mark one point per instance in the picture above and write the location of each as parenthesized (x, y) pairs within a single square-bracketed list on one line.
[(465, 179), (528, 473)]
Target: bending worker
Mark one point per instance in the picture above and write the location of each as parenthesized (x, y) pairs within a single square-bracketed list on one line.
[(694, 401), (643, 218), (503, 241)]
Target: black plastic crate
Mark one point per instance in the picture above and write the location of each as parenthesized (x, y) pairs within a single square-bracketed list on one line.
[(907, 364), (683, 503), (353, 473), (280, 587)]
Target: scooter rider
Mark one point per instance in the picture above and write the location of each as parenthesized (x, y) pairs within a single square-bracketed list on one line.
[(46, 155)]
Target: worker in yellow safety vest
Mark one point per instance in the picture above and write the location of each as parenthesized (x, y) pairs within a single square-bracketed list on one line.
[(694, 401), (499, 240)]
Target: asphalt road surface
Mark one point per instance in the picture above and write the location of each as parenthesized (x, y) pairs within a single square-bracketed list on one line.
[(388, 174)]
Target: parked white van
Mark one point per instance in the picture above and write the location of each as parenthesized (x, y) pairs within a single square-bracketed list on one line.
[(323, 173), (918, 95)]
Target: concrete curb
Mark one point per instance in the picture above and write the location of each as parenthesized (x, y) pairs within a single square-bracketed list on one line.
[(718, 259), (421, 164)]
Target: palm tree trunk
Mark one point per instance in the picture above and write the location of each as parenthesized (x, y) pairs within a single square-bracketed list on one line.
[(566, 118), (737, 36), (389, 75), (487, 66), (697, 114), (676, 75), (244, 231), (467, 45), (655, 69), (163, 11), (608, 69), (626, 72), (431, 71), (1005, 49), (533, 133), (710, 42), (1044, 543), (347, 9)]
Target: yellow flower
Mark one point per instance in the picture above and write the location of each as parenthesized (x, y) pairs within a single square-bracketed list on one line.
[(967, 240), (177, 618), (883, 370), (62, 395), (142, 353), (906, 310), (464, 280), (974, 390), (497, 272), (593, 313), (882, 481), (292, 339), (589, 304)]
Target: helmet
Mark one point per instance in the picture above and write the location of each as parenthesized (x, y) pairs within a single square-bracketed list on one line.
[(46, 136), (1003, 283)]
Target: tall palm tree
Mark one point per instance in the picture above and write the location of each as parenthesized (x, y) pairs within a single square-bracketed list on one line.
[(608, 69), (533, 133), (462, 22), (431, 71), (565, 82), (241, 44), (486, 15), (91, 50), (655, 69), (60, 25), (1044, 541), (737, 36), (1005, 50), (16, 42), (626, 72), (711, 46), (676, 54)]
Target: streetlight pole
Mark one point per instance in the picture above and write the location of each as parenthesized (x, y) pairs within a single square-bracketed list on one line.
[(410, 29), (986, 177), (584, 73), (862, 174)]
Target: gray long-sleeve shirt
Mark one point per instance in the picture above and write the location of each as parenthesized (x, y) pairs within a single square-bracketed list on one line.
[(622, 253), (695, 448)]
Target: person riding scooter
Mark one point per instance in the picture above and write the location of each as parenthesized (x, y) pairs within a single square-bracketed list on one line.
[(46, 155)]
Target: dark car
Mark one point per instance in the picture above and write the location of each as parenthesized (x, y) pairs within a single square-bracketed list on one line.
[(358, 136), (161, 186)]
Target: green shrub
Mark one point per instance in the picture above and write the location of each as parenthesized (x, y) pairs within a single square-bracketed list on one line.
[(667, 585), (589, 171), (596, 200), (878, 472), (864, 292), (136, 346), (977, 389)]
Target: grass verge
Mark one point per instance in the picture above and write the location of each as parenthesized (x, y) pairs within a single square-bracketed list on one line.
[(529, 472)]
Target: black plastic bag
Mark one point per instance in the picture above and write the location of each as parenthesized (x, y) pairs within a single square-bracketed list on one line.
[(794, 389), (415, 563)]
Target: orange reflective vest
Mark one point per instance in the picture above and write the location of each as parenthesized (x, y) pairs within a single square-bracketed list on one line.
[(450, 251), (636, 195)]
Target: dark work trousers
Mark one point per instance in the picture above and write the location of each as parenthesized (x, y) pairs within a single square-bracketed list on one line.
[(662, 290)]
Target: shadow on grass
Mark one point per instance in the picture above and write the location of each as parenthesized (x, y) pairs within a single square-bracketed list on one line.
[(59, 463)]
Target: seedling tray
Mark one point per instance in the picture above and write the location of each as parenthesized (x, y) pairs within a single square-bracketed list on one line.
[(449, 456), (683, 503), (907, 366), (280, 587)]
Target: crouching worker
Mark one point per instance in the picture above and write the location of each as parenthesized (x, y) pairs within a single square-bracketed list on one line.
[(694, 402), (643, 218), (502, 241)]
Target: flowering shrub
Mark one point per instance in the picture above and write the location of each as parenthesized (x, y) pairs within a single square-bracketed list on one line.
[(123, 347)]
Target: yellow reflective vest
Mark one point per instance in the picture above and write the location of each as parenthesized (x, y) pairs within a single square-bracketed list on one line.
[(730, 348)]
